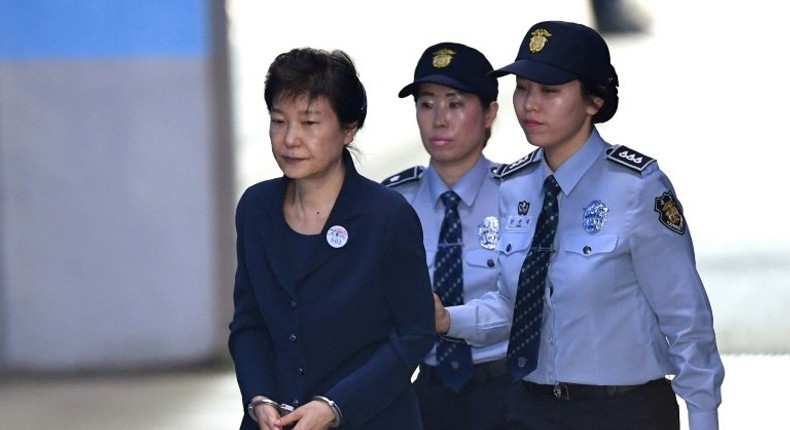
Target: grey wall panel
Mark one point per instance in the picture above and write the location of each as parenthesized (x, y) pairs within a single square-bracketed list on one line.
[(108, 214)]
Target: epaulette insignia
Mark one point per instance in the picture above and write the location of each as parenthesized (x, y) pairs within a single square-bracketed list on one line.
[(507, 169), (408, 175), (629, 158)]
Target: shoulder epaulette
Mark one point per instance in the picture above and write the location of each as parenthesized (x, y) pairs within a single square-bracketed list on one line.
[(495, 168), (408, 175), (507, 169), (627, 157)]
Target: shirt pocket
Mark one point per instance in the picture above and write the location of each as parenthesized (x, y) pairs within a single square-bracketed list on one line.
[(514, 242), (480, 258), (588, 245)]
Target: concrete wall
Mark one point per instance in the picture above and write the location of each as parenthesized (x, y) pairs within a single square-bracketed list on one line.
[(116, 187)]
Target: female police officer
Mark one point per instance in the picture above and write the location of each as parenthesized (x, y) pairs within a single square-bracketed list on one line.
[(463, 382), (596, 254)]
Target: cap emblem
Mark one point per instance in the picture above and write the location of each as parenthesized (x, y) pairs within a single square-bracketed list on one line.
[(442, 58), (538, 39)]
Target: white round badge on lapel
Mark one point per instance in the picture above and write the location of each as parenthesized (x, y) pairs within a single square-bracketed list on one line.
[(337, 236)]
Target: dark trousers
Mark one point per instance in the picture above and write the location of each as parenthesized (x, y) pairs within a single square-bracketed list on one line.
[(652, 406), (480, 405)]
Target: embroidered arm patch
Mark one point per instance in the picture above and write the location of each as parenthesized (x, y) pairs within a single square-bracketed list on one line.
[(669, 213)]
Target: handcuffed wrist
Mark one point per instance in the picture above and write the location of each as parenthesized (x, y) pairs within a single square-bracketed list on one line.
[(259, 400), (335, 410)]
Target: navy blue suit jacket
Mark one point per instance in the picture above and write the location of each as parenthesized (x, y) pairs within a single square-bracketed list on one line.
[(353, 326)]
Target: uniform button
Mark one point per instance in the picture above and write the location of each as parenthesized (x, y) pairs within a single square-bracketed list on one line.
[(587, 250), (295, 402), (300, 371), (293, 304), (490, 262), (292, 338), (509, 247)]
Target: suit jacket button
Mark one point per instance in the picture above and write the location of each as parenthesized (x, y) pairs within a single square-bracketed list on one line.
[(292, 338)]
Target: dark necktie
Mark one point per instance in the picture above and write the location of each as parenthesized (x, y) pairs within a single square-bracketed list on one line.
[(522, 352), (454, 356)]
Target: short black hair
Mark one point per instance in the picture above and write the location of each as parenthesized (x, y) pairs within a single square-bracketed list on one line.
[(319, 73)]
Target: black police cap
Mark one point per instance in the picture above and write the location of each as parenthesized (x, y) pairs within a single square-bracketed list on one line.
[(457, 66), (557, 52)]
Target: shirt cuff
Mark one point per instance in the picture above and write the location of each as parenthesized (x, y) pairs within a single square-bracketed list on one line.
[(704, 420), (462, 322)]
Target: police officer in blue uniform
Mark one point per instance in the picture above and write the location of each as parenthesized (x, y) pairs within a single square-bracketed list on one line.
[(456, 105), (622, 304)]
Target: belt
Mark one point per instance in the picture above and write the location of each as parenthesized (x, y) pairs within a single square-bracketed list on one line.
[(568, 391), (480, 372)]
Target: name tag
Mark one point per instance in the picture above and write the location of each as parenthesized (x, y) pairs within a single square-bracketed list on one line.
[(518, 223)]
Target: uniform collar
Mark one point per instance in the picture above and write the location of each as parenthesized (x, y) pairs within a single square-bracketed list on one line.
[(572, 170), (467, 187)]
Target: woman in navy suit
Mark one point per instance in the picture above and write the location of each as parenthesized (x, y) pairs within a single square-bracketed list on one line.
[(333, 303)]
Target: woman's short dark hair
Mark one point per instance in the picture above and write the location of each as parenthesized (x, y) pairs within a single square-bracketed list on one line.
[(319, 73), (609, 95)]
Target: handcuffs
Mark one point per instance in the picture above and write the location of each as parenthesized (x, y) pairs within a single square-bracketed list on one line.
[(282, 408)]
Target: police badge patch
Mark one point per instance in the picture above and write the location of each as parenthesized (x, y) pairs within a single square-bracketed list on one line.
[(488, 230), (594, 216), (523, 207), (669, 213)]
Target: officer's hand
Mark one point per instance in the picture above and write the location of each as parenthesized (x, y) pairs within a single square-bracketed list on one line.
[(442, 315)]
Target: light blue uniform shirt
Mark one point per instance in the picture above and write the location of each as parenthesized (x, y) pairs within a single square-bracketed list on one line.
[(624, 301), (478, 190)]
